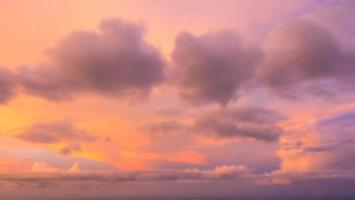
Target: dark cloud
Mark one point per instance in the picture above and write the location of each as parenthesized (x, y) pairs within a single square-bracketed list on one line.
[(7, 85), (302, 56), (212, 67), (116, 61)]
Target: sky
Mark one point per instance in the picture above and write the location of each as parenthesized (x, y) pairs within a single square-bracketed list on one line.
[(177, 99)]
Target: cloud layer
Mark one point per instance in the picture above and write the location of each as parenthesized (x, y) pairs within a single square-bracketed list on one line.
[(55, 178)]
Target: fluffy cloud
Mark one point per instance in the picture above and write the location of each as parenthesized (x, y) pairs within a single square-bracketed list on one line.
[(303, 56), (212, 67), (116, 61), (7, 85)]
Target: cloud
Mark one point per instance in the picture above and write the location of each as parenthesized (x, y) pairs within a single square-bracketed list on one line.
[(243, 122), (7, 85), (54, 132), (302, 56), (211, 68), (222, 128), (337, 16), (226, 173), (115, 61), (54, 178), (61, 132)]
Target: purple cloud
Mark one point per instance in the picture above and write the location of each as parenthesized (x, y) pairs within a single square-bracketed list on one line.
[(302, 56), (116, 61), (211, 68)]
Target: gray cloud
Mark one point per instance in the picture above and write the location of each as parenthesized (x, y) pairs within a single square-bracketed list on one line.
[(302, 56), (212, 67), (116, 61), (7, 85)]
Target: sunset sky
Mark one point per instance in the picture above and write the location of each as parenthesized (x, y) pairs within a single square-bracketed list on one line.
[(177, 99)]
